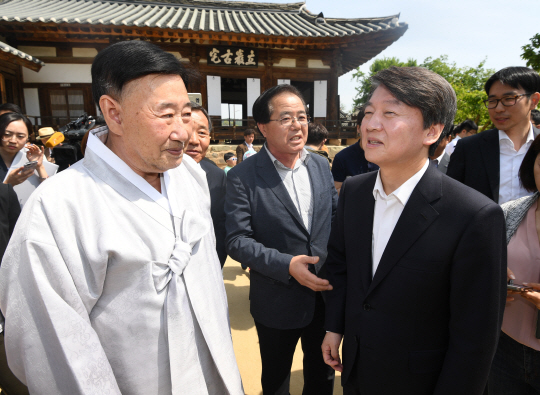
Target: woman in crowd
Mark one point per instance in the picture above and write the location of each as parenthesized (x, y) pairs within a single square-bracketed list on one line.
[(516, 366), (14, 148)]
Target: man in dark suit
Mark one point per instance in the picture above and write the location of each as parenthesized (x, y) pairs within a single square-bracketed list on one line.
[(279, 207), (217, 181), (417, 260), (489, 161)]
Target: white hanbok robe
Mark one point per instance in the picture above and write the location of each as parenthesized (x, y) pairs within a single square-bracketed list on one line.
[(95, 299)]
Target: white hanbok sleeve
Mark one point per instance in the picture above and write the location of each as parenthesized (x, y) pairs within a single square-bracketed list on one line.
[(50, 343)]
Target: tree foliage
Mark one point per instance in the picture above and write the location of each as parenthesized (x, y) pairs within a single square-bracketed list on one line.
[(468, 83), (531, 53)]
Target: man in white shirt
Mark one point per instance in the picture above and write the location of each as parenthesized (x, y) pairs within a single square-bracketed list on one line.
[(464, 129), (489, 162), (111, 283), (417, 261)]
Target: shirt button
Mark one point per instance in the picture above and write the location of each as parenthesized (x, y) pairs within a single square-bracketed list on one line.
[(367, 307)]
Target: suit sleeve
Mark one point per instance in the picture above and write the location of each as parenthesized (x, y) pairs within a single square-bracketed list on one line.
[(456, 167), (336, 270), (219, 223), (240, 241), (477, 301)]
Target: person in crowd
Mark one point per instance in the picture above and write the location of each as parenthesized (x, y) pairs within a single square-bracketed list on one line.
[(9, 107), (15, 150), (44, 134), (317, 136), (351, 161), (489, 161), (9, 213), (416, 260), (517, 360), (111, 282), (279, 206), (535, 118), (440, 159), (464, 129), (217, 180), (230, 160), (249, 137)]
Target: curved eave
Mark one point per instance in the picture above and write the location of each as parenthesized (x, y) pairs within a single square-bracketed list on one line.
[(13, 55)]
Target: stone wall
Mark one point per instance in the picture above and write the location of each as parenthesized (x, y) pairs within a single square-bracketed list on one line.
[(216, 151)]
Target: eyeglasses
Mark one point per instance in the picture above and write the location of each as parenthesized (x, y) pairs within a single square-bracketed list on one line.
[(234, 159), (287, 121), (507, 101), (19, 137)]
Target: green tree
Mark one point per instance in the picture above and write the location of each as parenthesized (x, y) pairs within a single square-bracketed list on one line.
[(468, 83), (531, 53)]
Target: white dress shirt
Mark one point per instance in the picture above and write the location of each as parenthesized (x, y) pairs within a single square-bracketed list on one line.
[(437, 161), (510, 160), (388, 209), (451, 146), (298, 185)]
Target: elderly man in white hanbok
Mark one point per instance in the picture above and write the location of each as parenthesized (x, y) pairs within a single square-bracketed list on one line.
[(111, 283)]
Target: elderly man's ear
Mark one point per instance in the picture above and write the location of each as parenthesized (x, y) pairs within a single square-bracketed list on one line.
[(112, 112)]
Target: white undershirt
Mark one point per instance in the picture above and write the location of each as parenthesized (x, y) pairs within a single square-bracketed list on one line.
[(388, 209), (510, 187)]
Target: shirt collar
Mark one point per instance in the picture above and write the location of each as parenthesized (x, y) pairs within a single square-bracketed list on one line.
[(403, 193), (440, 157), (304, 158), (504, 136), (96, 143)]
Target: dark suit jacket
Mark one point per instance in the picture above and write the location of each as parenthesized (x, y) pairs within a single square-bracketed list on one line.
[(476, 162), (217, 183), (9, 213), (265, 231), (429, 321)]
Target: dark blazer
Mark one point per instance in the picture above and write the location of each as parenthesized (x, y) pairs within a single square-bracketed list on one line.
[(265, 231), (476, 162), (217, 183), (429, 321), (9, 213)]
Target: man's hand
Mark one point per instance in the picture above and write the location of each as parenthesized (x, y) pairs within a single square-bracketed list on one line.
[(533, 296), (18, 176), (298, 268), (330, 350)]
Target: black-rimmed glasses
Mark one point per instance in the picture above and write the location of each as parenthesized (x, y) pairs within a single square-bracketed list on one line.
[(507, 101)]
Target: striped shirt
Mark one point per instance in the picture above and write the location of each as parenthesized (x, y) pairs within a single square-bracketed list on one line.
[(298, 185)]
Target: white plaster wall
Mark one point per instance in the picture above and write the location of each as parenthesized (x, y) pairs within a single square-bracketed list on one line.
[(316, 64), (59, 73), (84, 52), (31, 101), (319, 98), (286, 62), (38, 51)]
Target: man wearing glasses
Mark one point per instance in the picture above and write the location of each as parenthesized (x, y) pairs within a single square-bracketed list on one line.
[(489, 161), (279, 208)]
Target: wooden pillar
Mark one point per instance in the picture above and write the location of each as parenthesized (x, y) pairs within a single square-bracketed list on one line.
[(332, 94), (268, 68)]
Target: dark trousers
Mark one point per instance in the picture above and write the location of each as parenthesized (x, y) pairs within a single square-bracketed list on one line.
[(8, 382), (277, 350), (515, 369)]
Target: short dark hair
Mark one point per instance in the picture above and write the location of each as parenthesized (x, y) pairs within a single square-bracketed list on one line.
[(262, 108), (526, 170), (10, 107), (360, 115), (228, 156), (9, 117), (467, 125), (423, 89), (516, 77), (126, 61), (317, 133), (198, 107), (535, 117), (249, 132)]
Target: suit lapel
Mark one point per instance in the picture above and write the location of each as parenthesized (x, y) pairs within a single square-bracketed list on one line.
[(490, 154), (269, 174), (416, 217)]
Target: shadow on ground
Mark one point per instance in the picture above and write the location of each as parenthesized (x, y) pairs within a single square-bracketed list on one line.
[(297, 384), (232, 272)]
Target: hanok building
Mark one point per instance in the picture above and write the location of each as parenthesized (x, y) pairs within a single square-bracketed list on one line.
[(239, 48)]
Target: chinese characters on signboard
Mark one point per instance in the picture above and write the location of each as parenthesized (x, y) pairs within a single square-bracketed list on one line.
[(233, 56)]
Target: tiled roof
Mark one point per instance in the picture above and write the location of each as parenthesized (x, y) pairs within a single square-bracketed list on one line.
[(34, 62), (289, 20)]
